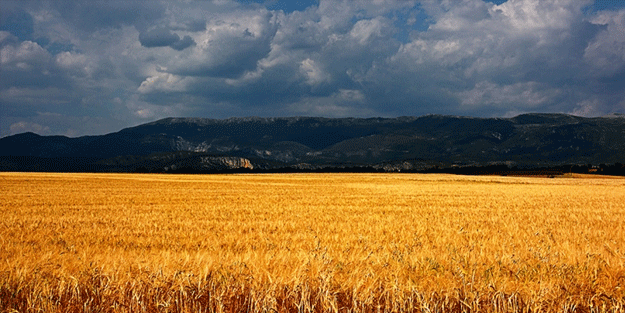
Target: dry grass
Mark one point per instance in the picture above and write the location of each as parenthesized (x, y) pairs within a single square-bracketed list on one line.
[(310, 243)]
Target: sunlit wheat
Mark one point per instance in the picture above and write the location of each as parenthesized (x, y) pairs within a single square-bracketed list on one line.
[(310, 243)]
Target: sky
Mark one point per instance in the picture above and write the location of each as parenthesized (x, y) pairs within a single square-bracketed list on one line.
[(89, 67)]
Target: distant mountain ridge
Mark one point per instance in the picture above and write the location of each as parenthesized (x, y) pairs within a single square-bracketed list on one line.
[(315, 142)]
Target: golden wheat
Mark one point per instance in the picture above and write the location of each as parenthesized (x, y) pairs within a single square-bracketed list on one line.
[(310, 243)]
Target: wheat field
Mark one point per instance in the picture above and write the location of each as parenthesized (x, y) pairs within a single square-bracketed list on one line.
[(310, 243)]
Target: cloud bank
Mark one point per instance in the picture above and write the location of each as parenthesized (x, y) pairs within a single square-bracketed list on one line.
[(90, 67)]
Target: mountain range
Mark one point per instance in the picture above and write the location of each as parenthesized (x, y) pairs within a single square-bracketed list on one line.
[(314, 143)]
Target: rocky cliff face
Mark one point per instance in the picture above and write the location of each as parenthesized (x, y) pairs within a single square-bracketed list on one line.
[(225, 163), (183, 161)]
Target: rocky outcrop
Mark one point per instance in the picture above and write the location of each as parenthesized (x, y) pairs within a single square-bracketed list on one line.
[(177, 162), (226, 163)]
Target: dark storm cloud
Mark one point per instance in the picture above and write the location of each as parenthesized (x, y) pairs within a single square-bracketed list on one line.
[(159, 37), (93, 15), (125, 62), (16, 21), (27, 64), (162, 37), (183, 43)]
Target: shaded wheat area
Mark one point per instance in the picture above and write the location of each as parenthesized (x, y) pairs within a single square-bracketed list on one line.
[(310, 243)]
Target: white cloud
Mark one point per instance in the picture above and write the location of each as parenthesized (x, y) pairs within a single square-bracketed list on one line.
[(49, 23), (353, 95), (364, 30), (587, 108), (230, 46), (165, 82), (606, 53), (26, 56), (313, 73), (30, 96), (143, 110), (524, 95), (69, 60), (337, 58), (344, 103), (520, 55), (7, 38), (22, 127), (537, 15), (74, 63)]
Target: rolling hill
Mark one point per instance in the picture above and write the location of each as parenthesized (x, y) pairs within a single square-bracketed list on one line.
[(410, 143)]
